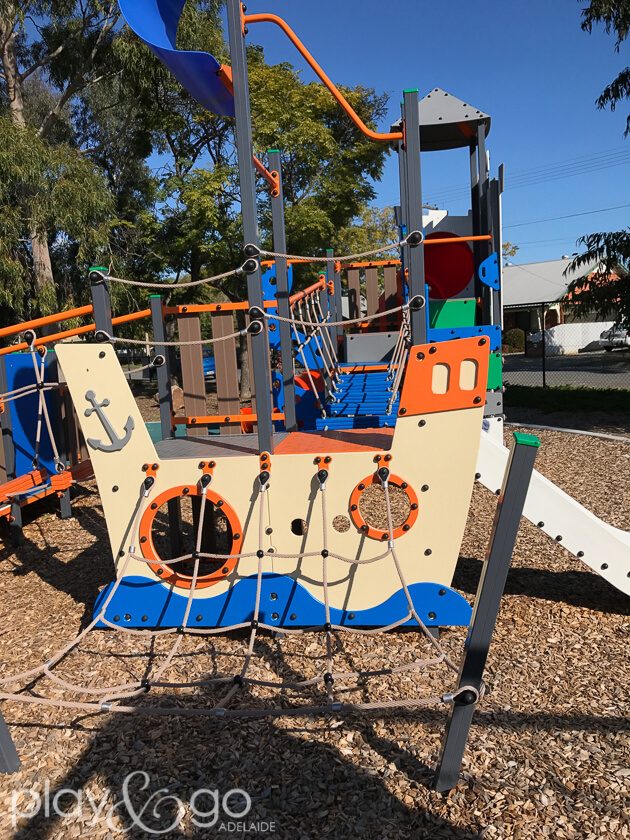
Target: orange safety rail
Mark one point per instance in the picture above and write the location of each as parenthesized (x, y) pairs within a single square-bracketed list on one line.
[(332, 87), (46, 320), (201, 308), (316, 287), (215, 420), (50, 339)]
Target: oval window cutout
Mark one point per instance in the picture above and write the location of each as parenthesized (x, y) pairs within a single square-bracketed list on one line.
[(468, 375), (440, 378)]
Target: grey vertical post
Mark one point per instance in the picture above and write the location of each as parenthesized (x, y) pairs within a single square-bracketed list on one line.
[(497, 248), (485, 220), (544, 345), (101, 301), (244, 149), (414, 256), (9, 758), (476, 212), (164, 370), (487, 604), (282, 293), (333, 279), (166, 410)]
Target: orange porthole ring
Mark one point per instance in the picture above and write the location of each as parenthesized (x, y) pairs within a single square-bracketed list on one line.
[(169, 574), (377, 533)]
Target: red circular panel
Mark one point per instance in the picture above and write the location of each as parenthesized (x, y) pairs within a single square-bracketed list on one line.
[(448, 267)]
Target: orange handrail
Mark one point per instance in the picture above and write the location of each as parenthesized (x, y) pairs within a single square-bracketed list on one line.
[(332, 87), (212, 420), (45, 320), (49, 339), (200, 308), (316, 287)]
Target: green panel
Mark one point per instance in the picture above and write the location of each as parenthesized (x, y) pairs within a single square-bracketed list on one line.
[(526, 440), (459, 312), (495, 372)]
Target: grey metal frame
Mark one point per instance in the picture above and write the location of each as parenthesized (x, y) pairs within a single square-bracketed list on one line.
[(101, 301), (260, 347), (414, 260), (334, 301), (166, 411), (9, 758), (282, 293), (487, 603)]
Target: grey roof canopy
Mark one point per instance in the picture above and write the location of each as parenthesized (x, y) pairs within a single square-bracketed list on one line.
[(446, 122)]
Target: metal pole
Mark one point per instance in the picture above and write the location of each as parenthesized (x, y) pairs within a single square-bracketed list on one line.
[(165, 397), (101, 301), (260, 347), (282, 294), (485, 220), (487, 604), (415, 255), (9, 465), (9, 758), (544, 345)]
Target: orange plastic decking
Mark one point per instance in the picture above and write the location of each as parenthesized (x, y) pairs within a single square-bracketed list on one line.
[(336, 440)]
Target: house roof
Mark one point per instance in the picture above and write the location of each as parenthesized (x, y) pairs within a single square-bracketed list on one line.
[(542, 282)]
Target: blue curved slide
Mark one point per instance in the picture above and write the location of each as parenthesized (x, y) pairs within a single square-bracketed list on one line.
[(155, 22)]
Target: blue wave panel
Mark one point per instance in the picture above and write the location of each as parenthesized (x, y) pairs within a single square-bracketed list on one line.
[(155, 22), (140, 602)]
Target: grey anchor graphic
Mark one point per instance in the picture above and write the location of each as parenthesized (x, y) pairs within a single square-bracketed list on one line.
[(117, 443)]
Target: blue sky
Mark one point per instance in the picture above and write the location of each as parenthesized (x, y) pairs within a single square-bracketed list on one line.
[(527, 64)]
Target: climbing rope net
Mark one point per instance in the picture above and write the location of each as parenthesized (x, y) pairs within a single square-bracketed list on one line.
[(327, 688), (330, 688)]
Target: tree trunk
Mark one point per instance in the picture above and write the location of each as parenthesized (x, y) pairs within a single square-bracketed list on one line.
[(42, 265)]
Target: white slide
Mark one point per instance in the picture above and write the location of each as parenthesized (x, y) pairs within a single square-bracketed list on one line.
[(605, 549)]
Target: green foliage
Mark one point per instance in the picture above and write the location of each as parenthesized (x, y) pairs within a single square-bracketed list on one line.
[(149, 180), (373, 227), (53, 190), (514, 340), (605, 288), (509, 249), (615, 17), (567, 398)]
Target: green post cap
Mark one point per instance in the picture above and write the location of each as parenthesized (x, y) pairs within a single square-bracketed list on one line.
[(98, 268), (155, 296), (273, 151), (526, 440), (410, 90)]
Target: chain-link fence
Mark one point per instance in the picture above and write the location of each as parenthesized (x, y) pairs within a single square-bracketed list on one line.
[(547, 346)]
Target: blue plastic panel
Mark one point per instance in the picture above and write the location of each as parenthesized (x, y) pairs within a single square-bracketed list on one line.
[(489, 272), (141, 602), (23, 412), (493, 332), (155, 22)]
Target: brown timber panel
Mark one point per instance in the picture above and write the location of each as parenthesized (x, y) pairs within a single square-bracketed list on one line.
[(390, 278), (354, 294), (227, 369), (193, 383), (371, 290)]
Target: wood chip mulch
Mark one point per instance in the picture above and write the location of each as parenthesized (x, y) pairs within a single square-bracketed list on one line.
[(549, 751)]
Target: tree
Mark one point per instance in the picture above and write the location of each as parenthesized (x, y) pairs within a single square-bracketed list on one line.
[(509, 250), (615, 17), (605, 289), (67, 45)]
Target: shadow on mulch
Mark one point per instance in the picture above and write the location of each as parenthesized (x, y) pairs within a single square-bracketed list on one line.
[(337, 800), (81, 577), (577, 589)]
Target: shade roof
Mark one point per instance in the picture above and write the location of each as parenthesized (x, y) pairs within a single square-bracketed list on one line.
[(542, 282), (447, 122)]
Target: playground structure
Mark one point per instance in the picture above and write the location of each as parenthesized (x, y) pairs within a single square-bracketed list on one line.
[(388, 403)]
